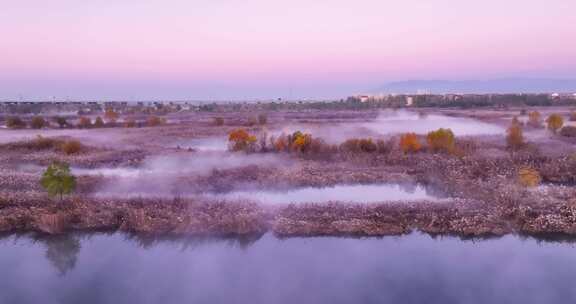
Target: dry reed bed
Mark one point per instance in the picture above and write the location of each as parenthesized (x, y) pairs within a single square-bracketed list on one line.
[(34, 212)]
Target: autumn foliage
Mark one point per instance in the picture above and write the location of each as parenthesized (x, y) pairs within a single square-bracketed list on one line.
[(154, 121), (529, 177), (409, 142), (534, 119), (441, 140), (514, 135), (555, 122), (84, 123), (241, 140)]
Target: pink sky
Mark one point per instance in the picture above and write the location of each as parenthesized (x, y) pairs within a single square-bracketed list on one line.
[(266, 48)]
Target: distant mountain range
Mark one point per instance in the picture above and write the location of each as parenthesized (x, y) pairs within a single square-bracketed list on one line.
[(509, 85)]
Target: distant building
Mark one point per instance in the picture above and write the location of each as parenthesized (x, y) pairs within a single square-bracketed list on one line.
[(409, 101)]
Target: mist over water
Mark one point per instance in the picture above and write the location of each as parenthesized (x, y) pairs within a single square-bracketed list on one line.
[(343, 193), (161, 176), (409, 269), (395, 122)]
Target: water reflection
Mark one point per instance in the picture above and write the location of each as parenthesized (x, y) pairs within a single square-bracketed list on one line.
[(62, 252), (416, 268)]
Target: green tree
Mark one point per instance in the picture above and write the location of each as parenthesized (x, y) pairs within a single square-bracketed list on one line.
[(57, 180)]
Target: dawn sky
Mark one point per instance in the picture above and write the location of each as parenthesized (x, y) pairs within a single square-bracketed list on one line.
[(219, 49)]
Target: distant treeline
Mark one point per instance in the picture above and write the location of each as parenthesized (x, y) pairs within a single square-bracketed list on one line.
[(350, 103)]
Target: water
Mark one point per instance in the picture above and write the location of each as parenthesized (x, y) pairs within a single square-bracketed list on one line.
[(402, 122), (344, 193), (408, 269), (212, 144)]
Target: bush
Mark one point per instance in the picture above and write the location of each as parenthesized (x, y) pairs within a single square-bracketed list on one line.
[(555, 122), (60, 121), (300, 142), (111, 116), (218, 121), (529, 177), (535, 119), (84, 123), (409, 143), (43, 143), (262, 119), (98, 123), (241, 140), (71, 147), (514, 136), (573, 116), (357, 145), (38, 122), (15, 122), (57, 180), (568, 131), (130, 123), (384, 147), (441, 140), (154, 121)]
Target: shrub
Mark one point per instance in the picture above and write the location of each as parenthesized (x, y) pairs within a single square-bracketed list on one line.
[(555, 122), (154, 121), (251, 121), (573, 116), (441, 140), (241, 140), (218, 121), (514, 136), (57, 180), (98, 123), (15, 122), (262, 119), (84, 123), (38, 122), (384, 147), (280, 144), (300, 142), (60, 121), (568, 131), (43, 143), (130, 123), (71, 147), (529, 177), (111, 116), (357, 145), (409, 143), (534, 119)]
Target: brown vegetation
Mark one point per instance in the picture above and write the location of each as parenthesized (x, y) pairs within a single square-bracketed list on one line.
[(218, 121), (535, 119), (555, 122), (409, 142), (441, 140), (514, 136), (241, 140), (71, 147), (84, 123), (529, 177), (15, 122), (38, 122)]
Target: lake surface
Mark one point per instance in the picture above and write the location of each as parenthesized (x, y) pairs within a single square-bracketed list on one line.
[(344, 193), (409, 269)]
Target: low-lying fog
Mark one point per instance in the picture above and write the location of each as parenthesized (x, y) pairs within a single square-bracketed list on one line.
[(394, 123), (389, 122), (343, 193)]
